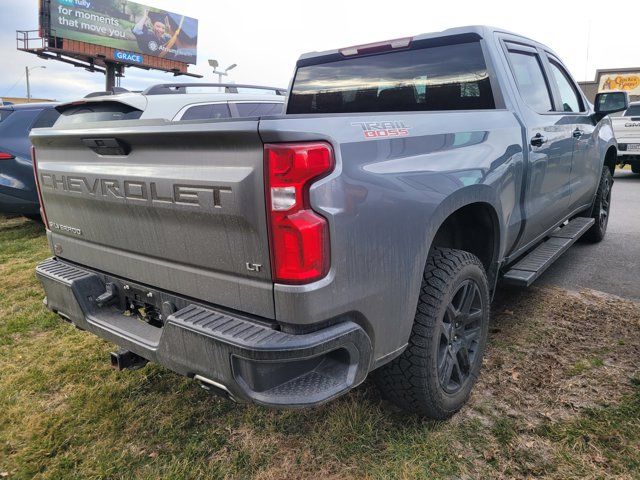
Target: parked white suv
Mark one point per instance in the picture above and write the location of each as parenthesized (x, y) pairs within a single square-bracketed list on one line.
[(176, 101), (627, 130)]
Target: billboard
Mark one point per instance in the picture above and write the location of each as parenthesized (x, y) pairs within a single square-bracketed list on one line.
[(131, 28), (629, 82)]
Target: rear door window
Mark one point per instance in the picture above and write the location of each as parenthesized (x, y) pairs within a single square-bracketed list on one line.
[(449, 77), (259, 109), (206, 112), (531, 81), (571, 101)]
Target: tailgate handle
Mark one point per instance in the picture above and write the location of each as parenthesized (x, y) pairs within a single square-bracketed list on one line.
[(107, 146)]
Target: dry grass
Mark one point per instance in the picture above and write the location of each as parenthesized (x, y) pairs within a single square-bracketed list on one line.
[(559, 397)]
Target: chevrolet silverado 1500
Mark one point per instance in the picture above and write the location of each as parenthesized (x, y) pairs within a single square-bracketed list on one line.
[(282, 259)]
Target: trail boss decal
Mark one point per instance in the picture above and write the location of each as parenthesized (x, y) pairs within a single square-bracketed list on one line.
[(383, 129)]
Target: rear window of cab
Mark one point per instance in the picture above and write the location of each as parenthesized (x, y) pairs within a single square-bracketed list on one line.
[(449, 77)]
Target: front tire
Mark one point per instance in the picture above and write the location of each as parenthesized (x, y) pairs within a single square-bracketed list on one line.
[(435, 374), (635, 168), (601, 208)]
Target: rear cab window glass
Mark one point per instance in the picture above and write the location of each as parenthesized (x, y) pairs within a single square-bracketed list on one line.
[(571, 100), (96, 112), (633, 111), (531, 81), (259, 109), (206, 112), (449, 77)]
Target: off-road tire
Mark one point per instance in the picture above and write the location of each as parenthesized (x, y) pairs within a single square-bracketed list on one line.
[(412, 380), (601, 208)]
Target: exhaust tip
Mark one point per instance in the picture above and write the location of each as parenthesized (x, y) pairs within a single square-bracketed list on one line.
[(214, 387)]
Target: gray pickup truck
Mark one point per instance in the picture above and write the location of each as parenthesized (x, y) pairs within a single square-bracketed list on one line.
[(280, 260)]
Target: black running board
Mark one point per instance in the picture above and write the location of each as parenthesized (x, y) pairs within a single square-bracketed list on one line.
[(527, 270)]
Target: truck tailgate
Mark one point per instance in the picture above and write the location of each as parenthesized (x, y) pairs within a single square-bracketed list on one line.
[(176, 206), (627, 129)]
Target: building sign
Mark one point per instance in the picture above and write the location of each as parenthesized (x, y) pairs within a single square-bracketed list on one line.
[(629, 82), (127, 26), (128, 57)]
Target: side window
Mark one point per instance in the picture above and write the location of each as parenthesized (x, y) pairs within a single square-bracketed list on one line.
[(571, 101), (531, 82), (207, 112), (259, 109), (4, 114), (46, 119)]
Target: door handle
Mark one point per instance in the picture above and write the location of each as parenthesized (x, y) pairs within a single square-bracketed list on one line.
[(577, 133), (538, 140)]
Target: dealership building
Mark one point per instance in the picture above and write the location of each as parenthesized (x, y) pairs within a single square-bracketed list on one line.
[(627, 79)]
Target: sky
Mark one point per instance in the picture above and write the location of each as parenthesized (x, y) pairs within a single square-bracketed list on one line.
[(265, 38)]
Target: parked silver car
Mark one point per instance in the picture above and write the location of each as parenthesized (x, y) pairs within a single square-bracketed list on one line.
[(176, 101)]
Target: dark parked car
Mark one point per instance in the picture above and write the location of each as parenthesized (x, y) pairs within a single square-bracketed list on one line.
[(18, 194)]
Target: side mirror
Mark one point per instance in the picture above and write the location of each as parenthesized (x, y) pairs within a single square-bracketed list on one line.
[(611, 102)]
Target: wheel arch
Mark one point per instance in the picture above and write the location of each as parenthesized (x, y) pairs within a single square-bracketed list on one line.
[(611, 158), (471, 220)]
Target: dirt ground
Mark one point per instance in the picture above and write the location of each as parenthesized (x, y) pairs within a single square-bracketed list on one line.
[(558, 397)]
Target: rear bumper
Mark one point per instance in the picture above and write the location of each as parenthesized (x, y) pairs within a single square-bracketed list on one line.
[(249, 359), (625, 151)]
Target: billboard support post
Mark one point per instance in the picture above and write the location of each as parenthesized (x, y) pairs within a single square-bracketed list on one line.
[(110, 76)]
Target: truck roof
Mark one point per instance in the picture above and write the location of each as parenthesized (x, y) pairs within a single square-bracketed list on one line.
[(471, 31)]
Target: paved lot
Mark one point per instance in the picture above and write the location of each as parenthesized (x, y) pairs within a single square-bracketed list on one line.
[(612, 266)]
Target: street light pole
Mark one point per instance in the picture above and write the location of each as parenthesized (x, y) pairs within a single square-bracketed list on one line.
[(214, 64), (26, 71)]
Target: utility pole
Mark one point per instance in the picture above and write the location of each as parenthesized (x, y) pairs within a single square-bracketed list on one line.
[(26, 69)]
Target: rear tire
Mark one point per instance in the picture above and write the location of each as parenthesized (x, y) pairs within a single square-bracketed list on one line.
[(601, 208), (635, 168), (435, 374)]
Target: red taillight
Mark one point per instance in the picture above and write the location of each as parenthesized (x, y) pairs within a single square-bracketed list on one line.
[(299, 237), (35, 174), (6, 156)]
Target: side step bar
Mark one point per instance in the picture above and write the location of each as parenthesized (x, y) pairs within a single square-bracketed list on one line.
[(527, 270)]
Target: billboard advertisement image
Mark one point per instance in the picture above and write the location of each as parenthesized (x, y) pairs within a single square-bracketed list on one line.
[(126, 26)]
